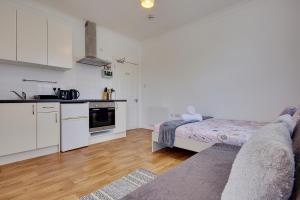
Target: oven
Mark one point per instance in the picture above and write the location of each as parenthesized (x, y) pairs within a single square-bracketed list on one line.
[(102, 116)]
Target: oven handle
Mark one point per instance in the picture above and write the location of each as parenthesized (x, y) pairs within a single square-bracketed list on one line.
[(97, 109)]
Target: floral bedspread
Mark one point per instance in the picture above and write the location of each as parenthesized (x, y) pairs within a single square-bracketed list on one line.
[(234, 132)]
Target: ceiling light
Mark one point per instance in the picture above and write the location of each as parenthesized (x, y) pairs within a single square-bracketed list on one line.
[(147, 3)]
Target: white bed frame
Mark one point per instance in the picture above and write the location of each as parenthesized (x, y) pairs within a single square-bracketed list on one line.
[(187, 144)]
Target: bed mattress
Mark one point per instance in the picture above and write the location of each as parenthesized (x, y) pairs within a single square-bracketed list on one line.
[(234, 132)]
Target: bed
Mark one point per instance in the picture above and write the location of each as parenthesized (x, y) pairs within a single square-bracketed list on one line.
[(202, 135)]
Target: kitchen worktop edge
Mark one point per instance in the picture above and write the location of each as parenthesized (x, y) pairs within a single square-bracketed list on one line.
[(60, 101)]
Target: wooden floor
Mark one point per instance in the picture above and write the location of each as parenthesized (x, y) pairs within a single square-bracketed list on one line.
[(73, 174)]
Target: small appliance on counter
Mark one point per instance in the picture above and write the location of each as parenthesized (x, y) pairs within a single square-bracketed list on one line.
[(74, 94), (66, 94), (40, 97), (62, 94), (107, 94)]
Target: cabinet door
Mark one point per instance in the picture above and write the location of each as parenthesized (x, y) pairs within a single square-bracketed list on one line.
[(59, 45), (8, 32), (31, 37), (17, 128), (120, 117), (48, 129)]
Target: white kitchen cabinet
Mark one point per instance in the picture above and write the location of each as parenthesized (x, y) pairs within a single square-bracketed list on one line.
[(18, 128), (8, 32), (31, 37), (74, 126), (120, 117), (59, 45), (48, 124)]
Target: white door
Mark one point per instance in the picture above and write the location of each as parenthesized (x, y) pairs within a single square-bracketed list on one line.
[(128, 89)]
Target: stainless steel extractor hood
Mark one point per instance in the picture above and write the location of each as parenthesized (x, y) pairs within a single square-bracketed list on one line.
[(91, 47)]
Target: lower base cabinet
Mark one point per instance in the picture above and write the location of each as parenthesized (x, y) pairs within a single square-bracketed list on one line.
[(48, 125), (28, 130), (18, 128), (120, 117), (28, 126)]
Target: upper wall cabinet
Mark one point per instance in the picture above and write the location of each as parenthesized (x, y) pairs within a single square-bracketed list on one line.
[(59, 45), (8, 32), (27, 37), (31, 37)]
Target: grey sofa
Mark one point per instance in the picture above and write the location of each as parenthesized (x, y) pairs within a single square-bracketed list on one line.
[(203, 176)]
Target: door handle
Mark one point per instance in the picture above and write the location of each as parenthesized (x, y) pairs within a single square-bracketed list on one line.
[(56, 117), (136, 100), (33, 112)]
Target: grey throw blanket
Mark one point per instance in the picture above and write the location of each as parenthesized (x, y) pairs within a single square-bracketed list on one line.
[(167, 131)]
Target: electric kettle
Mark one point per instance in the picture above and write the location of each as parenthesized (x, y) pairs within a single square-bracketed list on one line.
[(74, 94)]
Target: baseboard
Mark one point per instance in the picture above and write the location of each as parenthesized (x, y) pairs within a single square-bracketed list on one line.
[(147, 127), (28, 155), (105, 137)]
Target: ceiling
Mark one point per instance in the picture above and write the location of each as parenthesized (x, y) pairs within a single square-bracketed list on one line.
[(129, 18)]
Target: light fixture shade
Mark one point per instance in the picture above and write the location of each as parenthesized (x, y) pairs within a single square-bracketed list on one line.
[(147, 3)]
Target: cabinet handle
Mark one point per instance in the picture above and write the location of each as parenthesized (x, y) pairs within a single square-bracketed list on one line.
[(48, 107), (33, 112), (56, 117)]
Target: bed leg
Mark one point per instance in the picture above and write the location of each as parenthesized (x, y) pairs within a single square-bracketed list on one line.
[(156, 146)]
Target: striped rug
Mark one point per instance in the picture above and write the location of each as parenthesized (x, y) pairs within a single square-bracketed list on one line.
[(120, 188)]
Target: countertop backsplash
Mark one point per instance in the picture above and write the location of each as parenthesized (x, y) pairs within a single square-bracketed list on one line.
[(90, 87)]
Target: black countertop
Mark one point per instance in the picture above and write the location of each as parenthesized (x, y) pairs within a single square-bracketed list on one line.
[(60, 101)]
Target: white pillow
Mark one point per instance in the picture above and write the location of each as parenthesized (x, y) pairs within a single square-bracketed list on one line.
[(264, 168), (289, 122)]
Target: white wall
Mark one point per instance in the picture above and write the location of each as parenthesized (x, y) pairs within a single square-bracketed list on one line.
[(241, 63), (87, 79)]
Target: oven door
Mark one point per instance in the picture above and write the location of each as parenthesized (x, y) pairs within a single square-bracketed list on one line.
[(102, 119)]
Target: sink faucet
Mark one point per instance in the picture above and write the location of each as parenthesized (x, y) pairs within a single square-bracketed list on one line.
[(22, 96)]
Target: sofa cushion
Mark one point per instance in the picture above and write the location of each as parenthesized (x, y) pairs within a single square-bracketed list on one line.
[(296, 150), (201, 177), (296, 142), (264, 167)]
